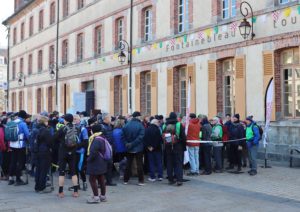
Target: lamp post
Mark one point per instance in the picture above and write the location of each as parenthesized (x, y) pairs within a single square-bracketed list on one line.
[(57, 69), (8, 65), (21, 77), (245, 27), (122, 55)]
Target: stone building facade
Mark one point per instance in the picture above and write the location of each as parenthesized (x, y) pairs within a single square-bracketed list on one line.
[(173, 41), (3, 79)]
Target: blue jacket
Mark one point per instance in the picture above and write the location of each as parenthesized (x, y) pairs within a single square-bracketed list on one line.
[(119, 140), (134, 133), (23, 135)]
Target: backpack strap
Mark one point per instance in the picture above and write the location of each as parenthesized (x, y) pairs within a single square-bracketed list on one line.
[(177, 128)]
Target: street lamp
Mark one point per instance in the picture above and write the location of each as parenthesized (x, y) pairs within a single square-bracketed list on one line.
[(245, 27), (21, 77), (51, 71), (122, 55)]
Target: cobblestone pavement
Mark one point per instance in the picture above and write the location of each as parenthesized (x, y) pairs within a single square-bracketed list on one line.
[(275, 189)]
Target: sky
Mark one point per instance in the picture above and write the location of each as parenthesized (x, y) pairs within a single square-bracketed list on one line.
[(6, 10)]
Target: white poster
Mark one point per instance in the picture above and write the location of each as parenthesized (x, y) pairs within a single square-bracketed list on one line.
[(79, 101), (269, 104)]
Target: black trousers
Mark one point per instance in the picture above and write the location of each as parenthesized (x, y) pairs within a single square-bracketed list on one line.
[(139, 162), (43, 163), (6, 159), (109, 172), (175, 162), (235, 155), (207, 156), (17, 165)]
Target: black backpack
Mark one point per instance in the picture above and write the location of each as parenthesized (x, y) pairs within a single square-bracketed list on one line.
[(261, 131), (71, 137)]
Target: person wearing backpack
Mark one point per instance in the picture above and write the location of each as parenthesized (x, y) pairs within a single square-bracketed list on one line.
[(134, 133), (42, 149), (17, 133), (97, 164), (217, 137), (107, 130), (81, 151), (67, 136), (175, 145), (253, 136)]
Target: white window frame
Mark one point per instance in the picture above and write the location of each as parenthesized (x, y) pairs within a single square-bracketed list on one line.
[(181, 15), (120, 23), (231, 9), (148, 91), (284, 1), (80, 47), (231, 74), (98, 34), (148, 24), (182, 100)]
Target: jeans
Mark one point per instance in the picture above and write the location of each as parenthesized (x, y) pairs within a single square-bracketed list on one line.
[(155, 164), (252, 151), (218, 156), (194, 159), (139, 162), (175, 162)]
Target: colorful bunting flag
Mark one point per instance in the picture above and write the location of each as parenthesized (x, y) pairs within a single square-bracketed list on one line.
[(233, 26), (299, 9), (103, 59), (287, 12), (172, 41), (160, 44), (139, 50), (200, 35), (208, 32), (185, 38), (254, 19), (275, 15), (216, 29)]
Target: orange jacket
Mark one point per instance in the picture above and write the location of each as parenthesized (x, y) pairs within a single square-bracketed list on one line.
[(193, 132)]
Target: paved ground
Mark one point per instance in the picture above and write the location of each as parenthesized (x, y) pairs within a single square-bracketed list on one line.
[(275, 189)]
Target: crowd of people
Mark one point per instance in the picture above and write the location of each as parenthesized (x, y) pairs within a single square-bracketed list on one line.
[(101, 146)]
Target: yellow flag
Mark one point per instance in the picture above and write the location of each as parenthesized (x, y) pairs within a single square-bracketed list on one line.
[(287, 12), (208, 32)]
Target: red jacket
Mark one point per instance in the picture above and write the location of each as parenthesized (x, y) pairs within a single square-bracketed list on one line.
[(193, 132), (2, 144)]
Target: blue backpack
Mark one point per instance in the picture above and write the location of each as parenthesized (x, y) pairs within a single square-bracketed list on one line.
[(108, 149), (12, 131)]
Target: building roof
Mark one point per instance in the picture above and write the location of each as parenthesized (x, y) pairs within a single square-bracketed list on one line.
[(25, 5)]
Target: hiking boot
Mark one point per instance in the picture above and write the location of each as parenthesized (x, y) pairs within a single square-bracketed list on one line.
[(11, 182), (84, 187), (75, 194), (46, 190), (93, 200), (230, 167), (103, 198), (151, 179), (20, 183), (141, 184), (205, 173), (253, 173), (160, 179), (218, 171), (72, 188), (171, 182), (239, 169), (190, 174), (179, 183), (249, 172), (125, 183)]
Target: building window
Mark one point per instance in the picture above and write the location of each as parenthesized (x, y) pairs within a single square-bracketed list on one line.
[(14, 99), (30, 64), (228, 9), (14, 70), (148, 24), (118, 106), (119, 30), (52, 13), (39, 100), (65, 52), (229, 86), (40, 60), (181, 15), (50, 99), (22, 31), (41, 20), (98, 40), (15, 36), (65, 8), (285, 1), (79, 47), (145, 85), (21, 100), (22, 65), (31, 26), (182, 89), (80, 4), (51, 55), (291, 82)]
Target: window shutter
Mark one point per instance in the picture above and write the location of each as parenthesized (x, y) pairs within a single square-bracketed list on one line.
[(191, 73), (170, 90), (42, 100), (154, 93), (187, 21), (54, 98), (212, 89), (47, 99), (268, 64), (29, 100), (137, 92), (125, 94), (112, 94), (240, 87), (151, 24)]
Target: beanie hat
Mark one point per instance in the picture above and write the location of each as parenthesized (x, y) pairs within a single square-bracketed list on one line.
[(237, 116), (172, 115), (22, 114), (193, 115), (249, 118), (136, 114), (44, 113), (68, 118), (96, 128)]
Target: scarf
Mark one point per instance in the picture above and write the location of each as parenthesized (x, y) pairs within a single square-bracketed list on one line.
[(91, 139)]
